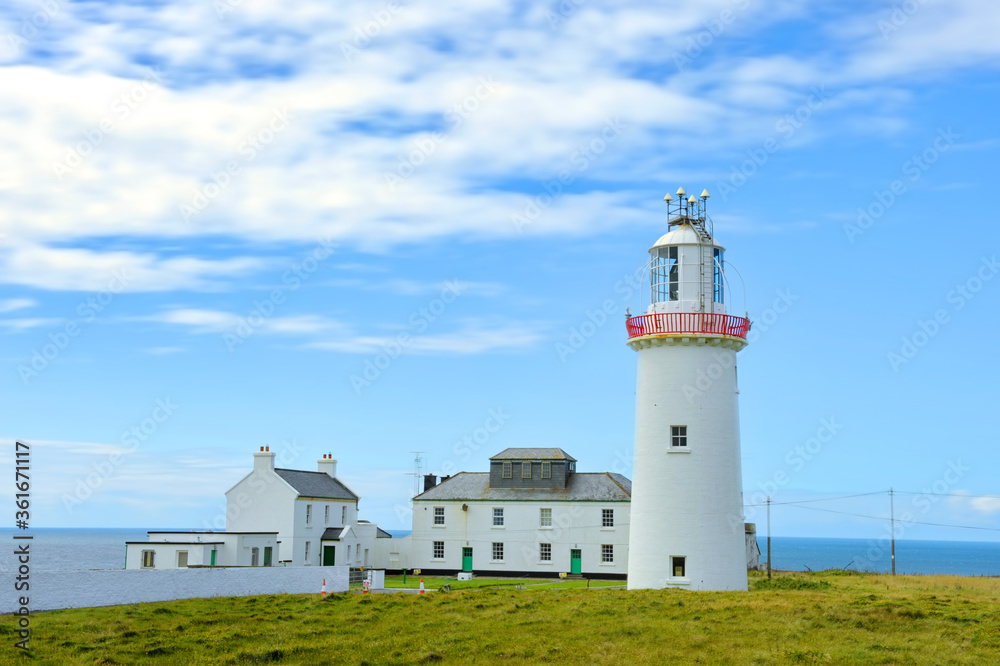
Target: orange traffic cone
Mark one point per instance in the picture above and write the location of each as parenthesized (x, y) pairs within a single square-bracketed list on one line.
[(421, 586), (322, 591)]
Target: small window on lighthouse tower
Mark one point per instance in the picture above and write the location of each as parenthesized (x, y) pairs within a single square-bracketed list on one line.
[(678, 436), (678, 566)]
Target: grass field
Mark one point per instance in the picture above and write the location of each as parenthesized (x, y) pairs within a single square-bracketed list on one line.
[(824, 617), (413, 583)]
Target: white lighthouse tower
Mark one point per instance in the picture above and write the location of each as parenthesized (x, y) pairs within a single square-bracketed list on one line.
[(687, 525)]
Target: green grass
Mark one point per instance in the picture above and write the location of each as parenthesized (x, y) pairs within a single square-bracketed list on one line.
[(823, 617)]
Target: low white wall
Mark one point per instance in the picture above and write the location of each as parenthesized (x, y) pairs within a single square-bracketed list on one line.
[(83, 589)]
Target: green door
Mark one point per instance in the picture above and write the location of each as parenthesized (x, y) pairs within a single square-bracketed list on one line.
[(213, 558), (466, 559), (267, 556), (329, 556), (575, 561)]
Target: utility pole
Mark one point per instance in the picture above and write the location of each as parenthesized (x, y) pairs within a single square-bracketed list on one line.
[(769, 537), (892, 523)]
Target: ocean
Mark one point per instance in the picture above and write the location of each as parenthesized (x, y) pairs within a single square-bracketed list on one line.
[(58, 549)]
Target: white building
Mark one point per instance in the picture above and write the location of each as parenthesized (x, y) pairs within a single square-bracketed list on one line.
[(314, 513), (532, 514), (687, 500), (178, 550), (277, 517)]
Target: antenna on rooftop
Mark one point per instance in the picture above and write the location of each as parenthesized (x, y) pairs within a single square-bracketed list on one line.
[(417, 473)]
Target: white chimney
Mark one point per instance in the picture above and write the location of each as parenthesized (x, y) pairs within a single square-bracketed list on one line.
[(327, 464), (263, 460)]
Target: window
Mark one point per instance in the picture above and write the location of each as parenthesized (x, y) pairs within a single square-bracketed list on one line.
[(439, 550), (545, 517), (439, 515), (497, 552), (546, 470), (182, 559), (309, 514), (526, 470), (255, 557), (497, 517), (678, 435), (306, 558), (664, 276), (607, 517), (545, 552), (607, 553), (508, 470), (326, 515), (147, 559), (677, 565), (348, 554), (343, 515), (719, 291), (572, 467)]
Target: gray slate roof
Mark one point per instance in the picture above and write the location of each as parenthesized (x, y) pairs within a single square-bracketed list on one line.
[(316, 484), (533, 454), (582, 487), (332, 533)]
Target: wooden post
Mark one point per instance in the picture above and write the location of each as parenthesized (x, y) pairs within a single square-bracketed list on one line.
[(769, 538)]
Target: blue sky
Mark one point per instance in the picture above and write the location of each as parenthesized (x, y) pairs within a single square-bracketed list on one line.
[(215, 219)]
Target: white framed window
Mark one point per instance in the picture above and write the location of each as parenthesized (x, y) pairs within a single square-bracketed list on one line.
[(343, 515), (545, 552), (607, 518), (255, 557), (526, 470), (545, 517), (309, 514), (497, 551), (497, 517), (607, 553), (182, 559), (148, 559), (439, 515), (326, 515), (348, 554), (678, 566), (678, 436), (546, 470), (508, 470), (438, 550), (306, 557)]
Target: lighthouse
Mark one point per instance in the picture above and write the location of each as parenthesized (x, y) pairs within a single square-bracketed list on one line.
[(687, 525)]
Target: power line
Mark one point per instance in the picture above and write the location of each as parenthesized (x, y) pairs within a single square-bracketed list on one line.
[(907, 492), (910, 522), (822, 499)]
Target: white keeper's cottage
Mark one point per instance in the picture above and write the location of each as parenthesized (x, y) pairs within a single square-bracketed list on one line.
[(532, 514)]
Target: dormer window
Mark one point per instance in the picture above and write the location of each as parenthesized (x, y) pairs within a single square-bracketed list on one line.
[(526, 470)]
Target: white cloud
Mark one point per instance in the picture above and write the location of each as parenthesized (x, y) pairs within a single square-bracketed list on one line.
[(11, 304)]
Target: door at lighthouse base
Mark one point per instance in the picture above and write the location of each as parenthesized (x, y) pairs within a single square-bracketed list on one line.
[(575, 561)]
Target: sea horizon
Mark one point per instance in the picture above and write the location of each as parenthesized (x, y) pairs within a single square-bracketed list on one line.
[(65, 548)]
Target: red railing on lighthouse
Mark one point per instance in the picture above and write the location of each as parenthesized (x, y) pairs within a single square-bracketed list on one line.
[(666, 323)]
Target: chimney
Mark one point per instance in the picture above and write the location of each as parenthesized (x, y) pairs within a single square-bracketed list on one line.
[(429, 481), (263, 460), (327, 464)]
